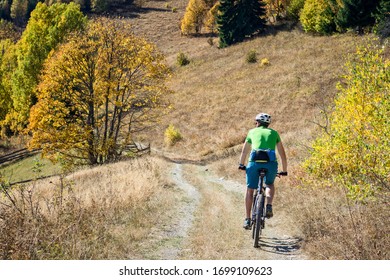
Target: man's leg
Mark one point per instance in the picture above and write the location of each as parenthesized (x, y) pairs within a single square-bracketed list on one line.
[(270, 187), (252, 180), (270, 192), (248, 202), (248, 207)]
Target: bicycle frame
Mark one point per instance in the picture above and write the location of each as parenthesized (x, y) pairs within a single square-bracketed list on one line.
[(258, 209)]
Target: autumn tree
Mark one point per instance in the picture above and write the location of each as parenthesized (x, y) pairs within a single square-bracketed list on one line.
[(7, 59), (46, 28), (354, 151), (97, 92), (210, 21), (194, 15), (318, 16)]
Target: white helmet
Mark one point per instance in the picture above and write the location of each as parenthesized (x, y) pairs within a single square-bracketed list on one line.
[(263, 118)]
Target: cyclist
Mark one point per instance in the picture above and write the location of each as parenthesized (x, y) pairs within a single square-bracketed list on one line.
[(261, 142)]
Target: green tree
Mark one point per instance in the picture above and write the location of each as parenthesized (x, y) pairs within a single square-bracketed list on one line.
[(100, 6), (5, 9), (19, 11), (46, 28), (356, 14), (97, 92), (250, 18), (382, 16), (226, 21), (355, 151), (239, 19)]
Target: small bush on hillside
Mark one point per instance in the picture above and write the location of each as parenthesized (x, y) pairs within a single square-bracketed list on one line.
[(182, 59), (172, 135), (264, 62), (251, 57)]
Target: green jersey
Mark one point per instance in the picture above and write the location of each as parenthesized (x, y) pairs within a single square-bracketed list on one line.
[(263, 138)]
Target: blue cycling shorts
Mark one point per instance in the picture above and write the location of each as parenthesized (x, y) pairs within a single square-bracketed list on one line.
[(253, 169)]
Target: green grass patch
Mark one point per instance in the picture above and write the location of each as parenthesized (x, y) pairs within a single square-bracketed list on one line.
[(29, 168)]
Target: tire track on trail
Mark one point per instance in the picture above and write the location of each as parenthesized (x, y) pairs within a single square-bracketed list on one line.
[(180, 228), (188, 234)]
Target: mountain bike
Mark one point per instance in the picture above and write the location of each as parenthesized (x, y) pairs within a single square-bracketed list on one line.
[(259, 207)]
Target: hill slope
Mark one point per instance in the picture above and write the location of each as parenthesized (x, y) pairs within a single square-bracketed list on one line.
[(218, 93)]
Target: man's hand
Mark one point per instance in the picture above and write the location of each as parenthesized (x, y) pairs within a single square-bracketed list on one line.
[(241, 167)]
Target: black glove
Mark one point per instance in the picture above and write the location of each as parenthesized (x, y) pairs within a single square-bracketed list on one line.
[(242, 167), (283, 173)]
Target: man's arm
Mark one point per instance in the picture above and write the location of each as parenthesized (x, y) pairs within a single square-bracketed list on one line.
[(282, 154), (245, 150)]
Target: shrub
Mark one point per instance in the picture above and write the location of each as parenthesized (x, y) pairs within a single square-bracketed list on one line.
[(251, 57), (264, 62), (182, 59), (172, 135)]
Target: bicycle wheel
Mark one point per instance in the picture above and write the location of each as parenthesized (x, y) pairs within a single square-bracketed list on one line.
[(258, 224), (254, 211)]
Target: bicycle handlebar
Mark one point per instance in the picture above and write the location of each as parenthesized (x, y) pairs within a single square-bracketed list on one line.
[(282, 173)]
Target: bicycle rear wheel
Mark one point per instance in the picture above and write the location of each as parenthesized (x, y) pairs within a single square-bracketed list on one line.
[(258, 223), (254, 211)]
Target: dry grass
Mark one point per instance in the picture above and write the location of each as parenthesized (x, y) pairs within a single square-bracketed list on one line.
[(101, 213), (337, 228), (218, 94)]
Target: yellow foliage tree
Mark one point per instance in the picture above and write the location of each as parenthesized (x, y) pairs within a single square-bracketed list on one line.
[(199, 13), (355, 151), (211, 19), (98, 90), (193, 18), (276, 8)]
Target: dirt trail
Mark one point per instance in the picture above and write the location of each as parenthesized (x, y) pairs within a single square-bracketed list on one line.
[(207, 221), (191, 237)]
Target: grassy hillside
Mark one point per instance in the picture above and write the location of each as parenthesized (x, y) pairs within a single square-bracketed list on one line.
[(216, 98), (218, 94)]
